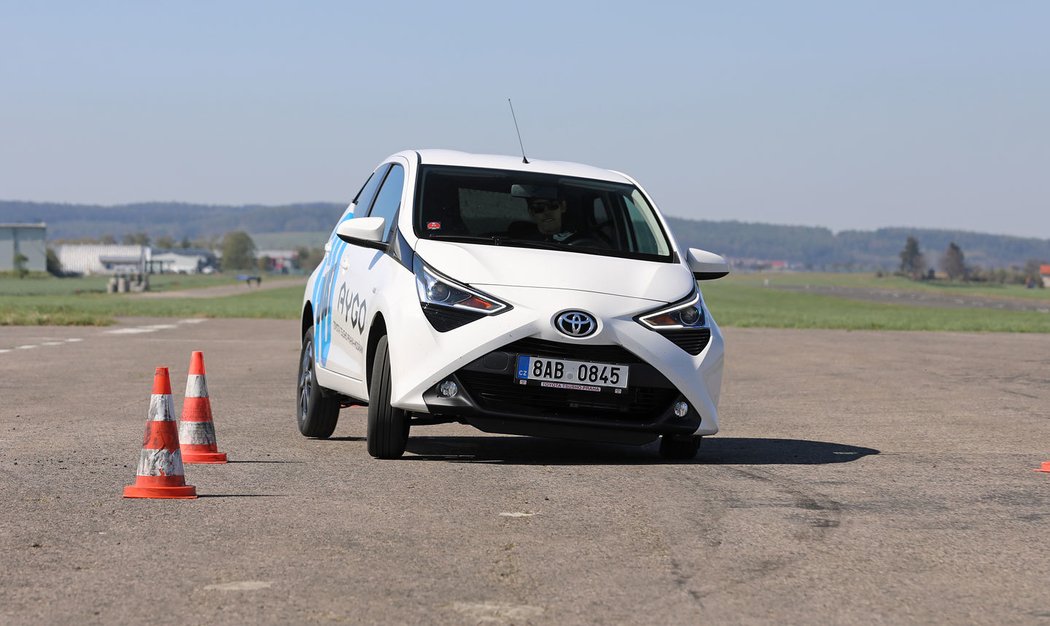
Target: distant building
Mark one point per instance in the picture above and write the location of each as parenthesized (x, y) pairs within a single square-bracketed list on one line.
[(183, 261), (100, 259), (280, 261), (1044, 271), (759, 265), (29, 240)]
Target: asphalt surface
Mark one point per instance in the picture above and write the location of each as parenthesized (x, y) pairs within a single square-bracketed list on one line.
[(860, 477)]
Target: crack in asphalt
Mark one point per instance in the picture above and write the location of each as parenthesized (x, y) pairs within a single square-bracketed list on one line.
[(803, 499)]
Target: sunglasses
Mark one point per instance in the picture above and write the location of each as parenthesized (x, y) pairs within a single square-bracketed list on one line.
[(537, 207)]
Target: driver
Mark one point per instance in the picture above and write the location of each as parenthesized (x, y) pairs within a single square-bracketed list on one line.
[(547, 214)]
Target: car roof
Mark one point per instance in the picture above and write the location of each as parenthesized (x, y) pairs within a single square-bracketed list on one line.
[(514, 163)]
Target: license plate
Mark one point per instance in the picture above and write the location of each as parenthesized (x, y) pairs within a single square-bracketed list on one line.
[(573, 375)]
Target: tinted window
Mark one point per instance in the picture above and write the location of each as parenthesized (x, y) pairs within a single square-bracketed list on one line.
[(389, 199), (512, 208), (643, 224), (364, 197)]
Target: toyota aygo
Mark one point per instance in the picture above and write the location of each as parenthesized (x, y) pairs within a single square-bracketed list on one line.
[(523, 297)]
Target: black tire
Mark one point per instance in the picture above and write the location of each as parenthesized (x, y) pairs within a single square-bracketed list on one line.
[(387, 427), (317, 413), (679, 446)]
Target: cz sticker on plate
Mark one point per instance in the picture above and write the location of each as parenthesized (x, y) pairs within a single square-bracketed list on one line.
[(572, 375)]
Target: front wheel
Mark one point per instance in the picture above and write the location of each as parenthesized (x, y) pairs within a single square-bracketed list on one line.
[(679, 446), (387, 427), (317, 414)]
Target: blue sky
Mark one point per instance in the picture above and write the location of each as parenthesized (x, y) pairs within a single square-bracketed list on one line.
[(841, 114)]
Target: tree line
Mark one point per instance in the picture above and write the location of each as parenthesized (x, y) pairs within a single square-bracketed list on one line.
[(807, 247), (952, 262)]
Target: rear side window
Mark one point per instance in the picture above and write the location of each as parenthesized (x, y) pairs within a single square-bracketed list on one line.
[(389, 199), (363, 200)]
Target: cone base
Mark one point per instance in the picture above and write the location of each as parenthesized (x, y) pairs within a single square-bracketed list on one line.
[(204, 457), (1045, 467), (186, 492)]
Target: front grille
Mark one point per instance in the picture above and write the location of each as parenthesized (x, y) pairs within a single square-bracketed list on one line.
[(498, 391), (572, 351), (692, 341)]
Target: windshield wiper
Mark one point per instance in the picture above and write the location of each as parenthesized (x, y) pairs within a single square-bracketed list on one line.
[(499, 240), (467, 238), (530, 243)]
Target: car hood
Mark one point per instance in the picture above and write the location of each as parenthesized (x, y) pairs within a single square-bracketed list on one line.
[(480, 265)]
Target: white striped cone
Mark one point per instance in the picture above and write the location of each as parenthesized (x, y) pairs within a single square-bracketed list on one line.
[(196, 429), (160, 472)]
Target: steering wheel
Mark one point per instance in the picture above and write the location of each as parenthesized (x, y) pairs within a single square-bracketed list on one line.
[(592, 240)]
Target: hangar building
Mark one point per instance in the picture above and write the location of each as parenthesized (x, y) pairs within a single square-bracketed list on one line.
[(103, 259), (27, 240)]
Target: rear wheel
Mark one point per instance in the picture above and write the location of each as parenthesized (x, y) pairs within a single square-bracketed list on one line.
[(387, 426), (679, 446), (317, 413)]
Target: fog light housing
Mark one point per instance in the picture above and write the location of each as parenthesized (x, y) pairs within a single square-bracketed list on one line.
[(448, 389), (680, 408)]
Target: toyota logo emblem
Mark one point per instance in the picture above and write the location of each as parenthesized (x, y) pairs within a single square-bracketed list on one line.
[(576, 324)]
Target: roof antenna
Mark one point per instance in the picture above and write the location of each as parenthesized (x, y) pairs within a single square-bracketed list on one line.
[(515, 118)]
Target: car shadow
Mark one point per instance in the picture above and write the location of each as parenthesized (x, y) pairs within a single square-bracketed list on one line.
[(713, 451)]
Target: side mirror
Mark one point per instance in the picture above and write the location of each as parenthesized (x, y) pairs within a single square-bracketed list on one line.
[(707, 265), (363, 231)]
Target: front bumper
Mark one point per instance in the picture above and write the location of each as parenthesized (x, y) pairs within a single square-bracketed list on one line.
[(421, 358), (491, 400)]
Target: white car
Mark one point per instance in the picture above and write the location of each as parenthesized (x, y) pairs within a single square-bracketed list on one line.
[(524, 297)]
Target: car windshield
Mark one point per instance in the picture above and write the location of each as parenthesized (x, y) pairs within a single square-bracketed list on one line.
[(498, 207)]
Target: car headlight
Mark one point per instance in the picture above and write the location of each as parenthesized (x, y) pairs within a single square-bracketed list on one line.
[(448, 304), (683, 323), (678, 316)]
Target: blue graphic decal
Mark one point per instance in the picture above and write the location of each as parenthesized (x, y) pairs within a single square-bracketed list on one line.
[(523, 367), (324, 288)]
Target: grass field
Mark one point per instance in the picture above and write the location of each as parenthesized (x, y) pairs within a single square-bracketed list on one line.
[(45, 285), (84, 301), (897, 283), (746, 303), (741, 300)]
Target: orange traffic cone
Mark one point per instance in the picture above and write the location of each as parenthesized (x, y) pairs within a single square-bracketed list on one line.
[(196, 430), (1045, 467), (160, 472)]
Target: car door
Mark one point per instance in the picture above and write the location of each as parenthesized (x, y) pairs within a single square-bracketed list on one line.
[(363, 271), (331, 348)]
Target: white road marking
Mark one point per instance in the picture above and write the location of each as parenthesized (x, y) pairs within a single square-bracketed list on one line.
[(243, 585), (31, 346), (516, 514), (138, 330), (497, 612), (135, 330)]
